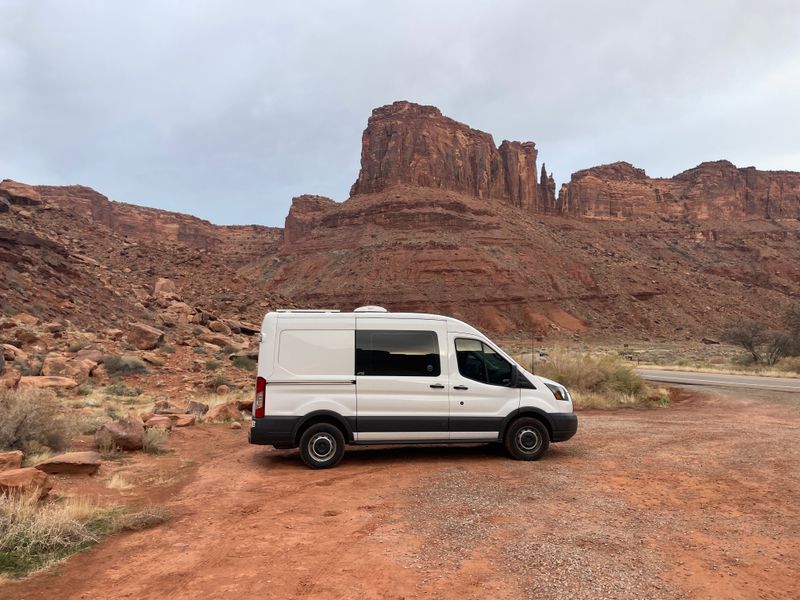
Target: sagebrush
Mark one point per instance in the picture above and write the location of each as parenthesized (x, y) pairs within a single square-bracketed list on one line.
[(600, 380), (30, 421)]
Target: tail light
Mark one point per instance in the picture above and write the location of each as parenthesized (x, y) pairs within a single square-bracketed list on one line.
[(259, 403)]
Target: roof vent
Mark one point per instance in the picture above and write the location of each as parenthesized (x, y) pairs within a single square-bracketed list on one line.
[(371, 308)]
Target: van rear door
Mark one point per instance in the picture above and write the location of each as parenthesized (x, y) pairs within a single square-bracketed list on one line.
[(401, 380)]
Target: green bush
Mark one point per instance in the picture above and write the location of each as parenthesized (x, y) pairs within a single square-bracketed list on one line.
[(213, 365), (29, 422), (124, 365)]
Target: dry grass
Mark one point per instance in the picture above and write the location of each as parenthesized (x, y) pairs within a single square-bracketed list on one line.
[(600, 380), (35, 534), (155, 440), (30, 421), (118, 482), (788, 369)]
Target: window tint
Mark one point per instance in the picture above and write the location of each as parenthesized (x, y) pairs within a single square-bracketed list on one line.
[(398, 353), (480, 362)]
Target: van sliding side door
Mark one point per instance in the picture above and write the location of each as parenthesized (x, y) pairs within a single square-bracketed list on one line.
[(401, 380)]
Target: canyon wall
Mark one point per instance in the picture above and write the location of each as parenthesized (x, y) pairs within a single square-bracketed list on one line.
[(712, 190)]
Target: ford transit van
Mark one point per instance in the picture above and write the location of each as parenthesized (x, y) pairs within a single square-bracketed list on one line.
[(327, 379)]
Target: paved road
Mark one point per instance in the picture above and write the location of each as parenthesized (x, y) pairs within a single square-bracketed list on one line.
[(755, 382)]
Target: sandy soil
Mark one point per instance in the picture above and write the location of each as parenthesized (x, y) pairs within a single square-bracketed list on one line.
[(701, 500)]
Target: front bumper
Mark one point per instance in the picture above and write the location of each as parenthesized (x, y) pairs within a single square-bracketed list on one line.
[(563, 425), (268, 431)]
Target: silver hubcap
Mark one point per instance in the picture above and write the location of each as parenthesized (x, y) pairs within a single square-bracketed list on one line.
[(321, 447), (528, 440)]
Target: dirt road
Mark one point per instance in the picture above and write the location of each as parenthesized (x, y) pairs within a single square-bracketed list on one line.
[(701, 500)]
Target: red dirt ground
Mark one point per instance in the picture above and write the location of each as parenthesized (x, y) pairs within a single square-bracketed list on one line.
[(700, 500)]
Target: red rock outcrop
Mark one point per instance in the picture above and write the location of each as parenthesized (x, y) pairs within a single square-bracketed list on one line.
[(712, 190), (410, 144), (305, 214)]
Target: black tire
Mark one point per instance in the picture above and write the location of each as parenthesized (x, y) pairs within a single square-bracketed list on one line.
[(322, 446), (527, 439)]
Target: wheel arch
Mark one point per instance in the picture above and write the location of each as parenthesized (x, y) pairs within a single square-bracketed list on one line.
[(527, 411), (322, 416)]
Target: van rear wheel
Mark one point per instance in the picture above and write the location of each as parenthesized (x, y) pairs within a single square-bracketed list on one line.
[(322, 446), (527, 439)]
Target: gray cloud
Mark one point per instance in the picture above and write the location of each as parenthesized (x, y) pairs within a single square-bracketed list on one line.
[(228, 109)]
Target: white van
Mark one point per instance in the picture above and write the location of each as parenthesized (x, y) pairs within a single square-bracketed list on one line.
[(326, 379)]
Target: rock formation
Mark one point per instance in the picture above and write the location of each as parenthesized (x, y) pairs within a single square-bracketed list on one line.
[(712, 190), (410, 144)]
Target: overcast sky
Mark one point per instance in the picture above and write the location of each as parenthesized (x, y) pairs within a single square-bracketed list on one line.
[(227, 109)]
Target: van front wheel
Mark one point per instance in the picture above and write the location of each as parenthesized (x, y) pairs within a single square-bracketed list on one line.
[(527, 439), (322, 446)]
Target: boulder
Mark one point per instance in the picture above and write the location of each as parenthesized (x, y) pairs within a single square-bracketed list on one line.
[(71, 463), (197, 408), (144, 337), (217, 340), (44, 382), (11, 460), (25, 481), (224, 412), (12, 353), (4, 205), (93, 354), (25, 319), (236, 425), (154, 359), (159, 422), (242, 327), (164, 286), (78, 369), (125, 434), (161, 407), (183, 420), (114, 334), (245, 403), (219, 327), (222, 389)]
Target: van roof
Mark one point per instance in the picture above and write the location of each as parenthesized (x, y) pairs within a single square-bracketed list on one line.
[(456, 325)]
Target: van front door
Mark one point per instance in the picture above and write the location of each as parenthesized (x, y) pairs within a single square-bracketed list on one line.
[(481, 395), (401, 380)]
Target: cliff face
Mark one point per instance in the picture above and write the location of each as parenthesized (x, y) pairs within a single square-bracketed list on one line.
[(409, 144), (712, 190), (139, 222)]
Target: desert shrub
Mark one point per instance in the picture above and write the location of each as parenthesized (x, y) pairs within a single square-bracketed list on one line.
[(31, 367), (84, 389), (166, 349), (219, 380), (118, 388), (199, 350), (124, 365), (213, 365), (600, 381), (790, 364), (34, 534), (244, 363), (28, 422), (154, 440), (228, 350)]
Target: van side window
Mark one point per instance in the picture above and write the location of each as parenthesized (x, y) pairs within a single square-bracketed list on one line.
[(397, 353), (480, 362)]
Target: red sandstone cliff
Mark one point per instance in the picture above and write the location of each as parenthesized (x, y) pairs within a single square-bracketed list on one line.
[(712, 190), (410, 144)]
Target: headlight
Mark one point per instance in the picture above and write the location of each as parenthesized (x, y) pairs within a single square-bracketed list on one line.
[(559, 391)]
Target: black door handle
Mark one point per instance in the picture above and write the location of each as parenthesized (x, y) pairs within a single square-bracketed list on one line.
[(460, 387), (437, 386)]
